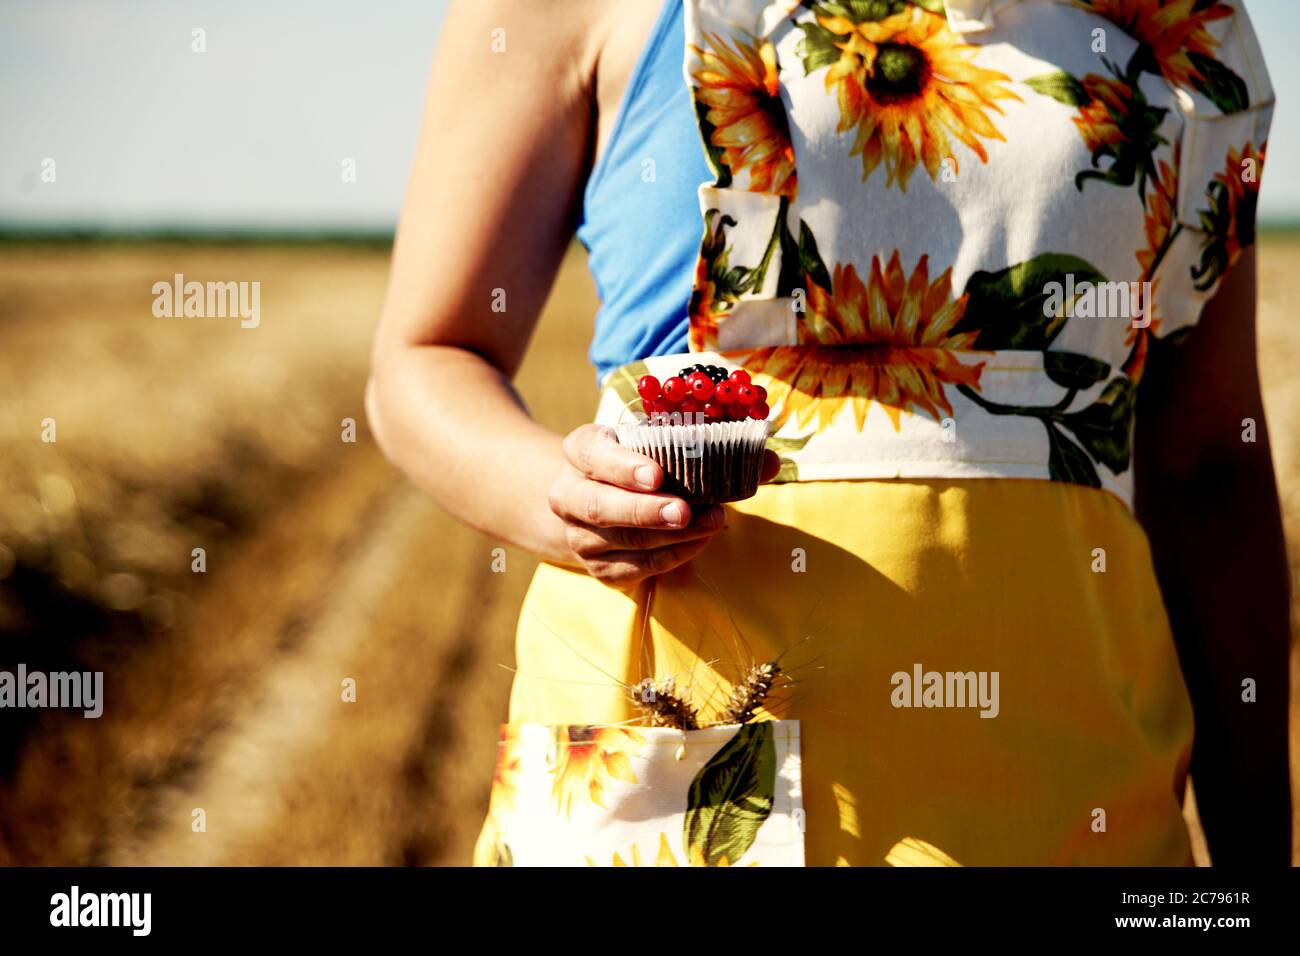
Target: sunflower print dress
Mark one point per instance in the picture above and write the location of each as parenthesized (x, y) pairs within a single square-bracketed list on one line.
[(944, 237)]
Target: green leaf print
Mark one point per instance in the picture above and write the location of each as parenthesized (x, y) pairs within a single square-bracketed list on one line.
[(1130, 155), (715, 154), (727, 282), (1068, 462), (1219, 83), (810, 259), (731, 797), (1103, 427), (789, 468), (1071, 370), (1060, 86), (1006, 307), (817, 49), (758, 274), (780, 445), (864, 11), (792, 269), (1223, 222), (623, 381), (801, 263), (789, 471)]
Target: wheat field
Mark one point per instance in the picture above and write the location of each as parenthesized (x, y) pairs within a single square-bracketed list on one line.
[(323, 565)]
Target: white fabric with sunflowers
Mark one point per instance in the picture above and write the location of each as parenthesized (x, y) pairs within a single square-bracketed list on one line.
[(945, 238), (648, 796)]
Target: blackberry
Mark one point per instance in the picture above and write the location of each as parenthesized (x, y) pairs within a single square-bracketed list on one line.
[(715, 373)]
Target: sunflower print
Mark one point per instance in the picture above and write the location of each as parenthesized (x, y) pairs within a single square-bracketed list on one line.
[(1229, 222), (1101, 119), (1115, 120), (705, 307), (589, 759), (905, 83), (718, 285), (664, 857), (737, 84), (1174, 30), (505, 776), (1158, 220), (887, 341), (1159, 224)]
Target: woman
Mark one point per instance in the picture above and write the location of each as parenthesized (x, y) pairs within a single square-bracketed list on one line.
[(960, 246)]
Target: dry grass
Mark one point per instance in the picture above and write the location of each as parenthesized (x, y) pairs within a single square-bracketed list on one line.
[(224, 689)]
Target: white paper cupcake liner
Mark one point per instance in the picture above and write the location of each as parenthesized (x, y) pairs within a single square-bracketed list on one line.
[(704, 464)]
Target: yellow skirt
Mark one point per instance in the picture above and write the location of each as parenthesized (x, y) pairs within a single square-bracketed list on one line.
[(984, 665)]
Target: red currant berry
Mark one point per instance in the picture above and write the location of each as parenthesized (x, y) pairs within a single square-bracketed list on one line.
[(701, 387), (715, 412), (675, 389), (761, 392), (737, 412), (724, 393), (740, 377), (690, 406), (648, 388), (759, 410), (746, 395)]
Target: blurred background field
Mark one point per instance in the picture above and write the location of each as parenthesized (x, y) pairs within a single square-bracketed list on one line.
[(223, 689)]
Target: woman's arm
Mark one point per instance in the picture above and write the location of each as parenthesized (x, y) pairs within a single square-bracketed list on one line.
[(488, 215), (1208, 500)]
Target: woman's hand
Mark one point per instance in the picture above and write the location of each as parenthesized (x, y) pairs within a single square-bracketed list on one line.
[(620, 528)]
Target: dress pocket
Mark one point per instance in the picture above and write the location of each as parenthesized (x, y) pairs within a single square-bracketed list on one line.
[(621, 795)]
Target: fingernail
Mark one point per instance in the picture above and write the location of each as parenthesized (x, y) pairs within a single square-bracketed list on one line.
[(671, 513), (645, 476)]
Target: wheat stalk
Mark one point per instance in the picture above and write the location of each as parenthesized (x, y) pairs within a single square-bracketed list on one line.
[(748, 696), (661, 703)]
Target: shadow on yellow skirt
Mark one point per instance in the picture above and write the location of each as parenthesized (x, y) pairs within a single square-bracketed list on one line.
[(982, 665)]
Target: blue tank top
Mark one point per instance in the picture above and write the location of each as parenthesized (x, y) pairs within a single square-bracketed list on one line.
[(641, 222)]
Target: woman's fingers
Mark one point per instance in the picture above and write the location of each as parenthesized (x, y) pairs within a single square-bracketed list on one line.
[(625, 568), (594, 450), (575, 498), (617, 526), (590, 542)]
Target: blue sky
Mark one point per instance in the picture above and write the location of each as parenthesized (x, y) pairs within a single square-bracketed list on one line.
[(254, 132)]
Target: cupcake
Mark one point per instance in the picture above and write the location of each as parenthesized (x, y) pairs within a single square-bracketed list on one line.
[(706, 429)]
